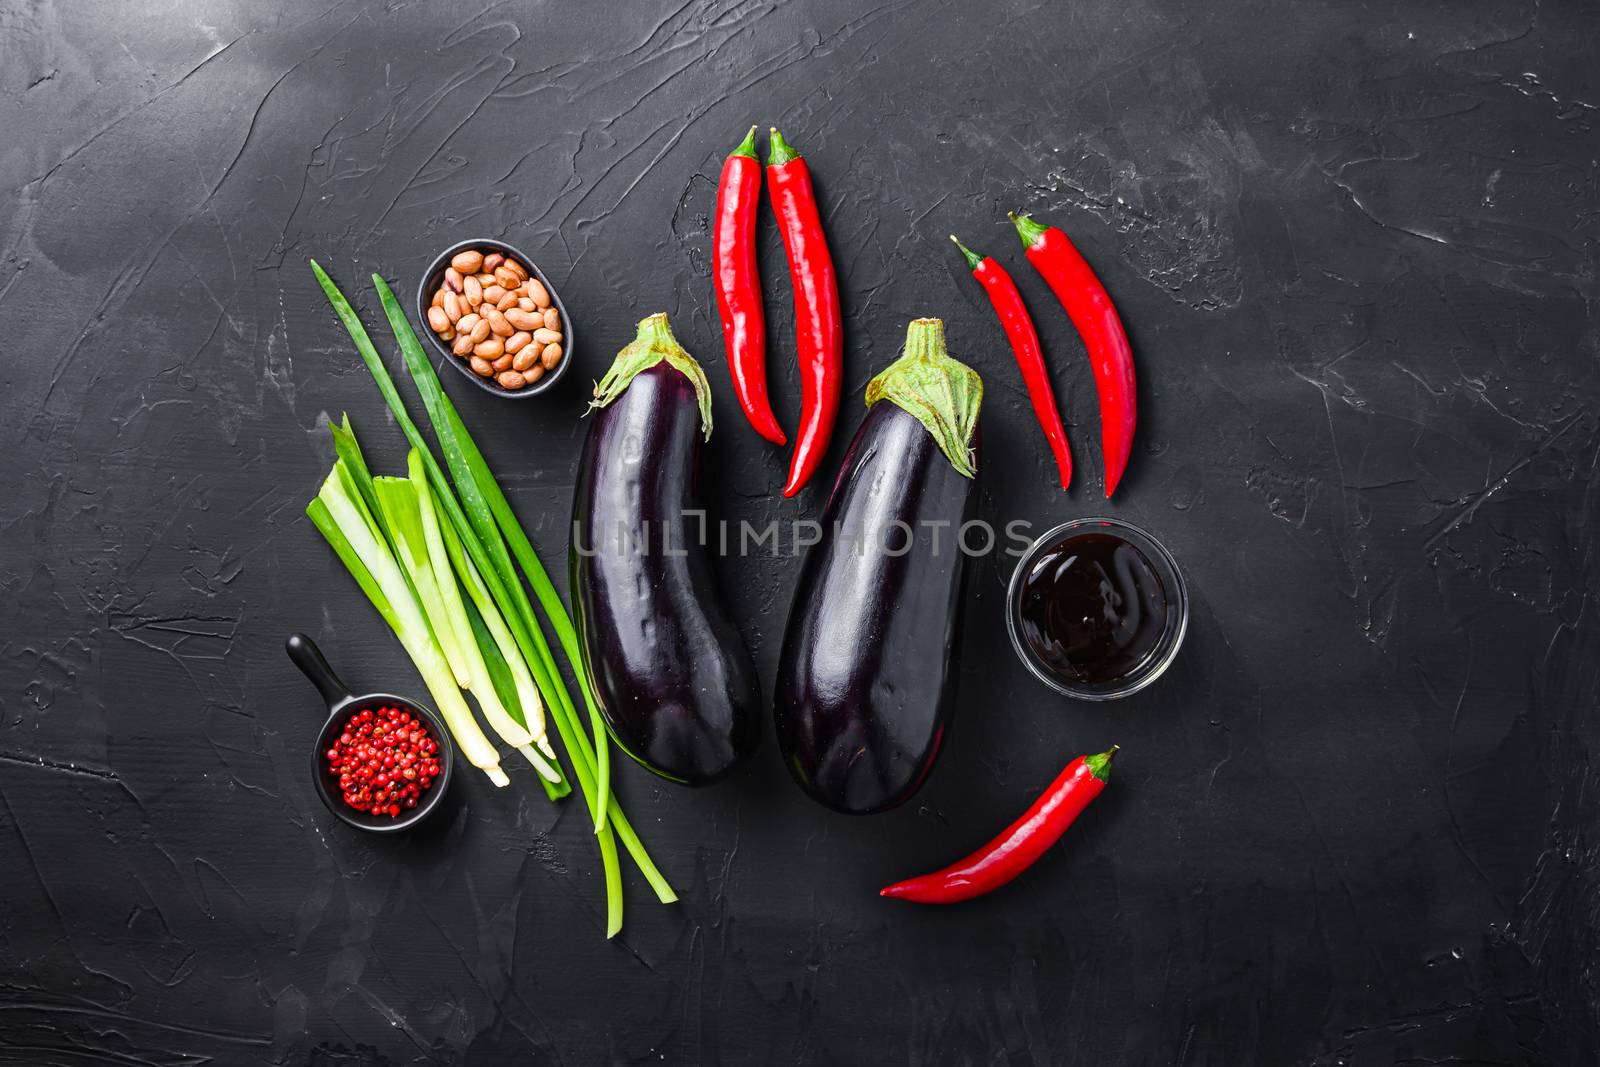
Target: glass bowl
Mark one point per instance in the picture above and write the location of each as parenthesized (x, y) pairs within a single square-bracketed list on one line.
[(1153, 664)]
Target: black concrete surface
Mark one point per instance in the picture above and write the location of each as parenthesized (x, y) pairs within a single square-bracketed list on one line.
[(1355, 247)]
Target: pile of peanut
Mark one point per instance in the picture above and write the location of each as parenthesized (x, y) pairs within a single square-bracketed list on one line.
[(498, 317)]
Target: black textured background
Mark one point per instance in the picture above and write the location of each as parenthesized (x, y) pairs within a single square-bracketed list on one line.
[(1355, 246)]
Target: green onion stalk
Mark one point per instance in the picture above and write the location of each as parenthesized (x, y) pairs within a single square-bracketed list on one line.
[(339, 512)]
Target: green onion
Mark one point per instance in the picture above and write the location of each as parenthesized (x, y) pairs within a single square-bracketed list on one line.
[(494, 624), (342, 516), (527, 696), (519, 735), (451, 628), (402, 509)]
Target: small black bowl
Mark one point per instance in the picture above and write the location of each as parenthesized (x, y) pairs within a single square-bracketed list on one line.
[(341, 705), (433, 277)]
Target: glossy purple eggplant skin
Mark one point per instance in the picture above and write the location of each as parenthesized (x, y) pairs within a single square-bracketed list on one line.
[(672, 675), (863, 693)]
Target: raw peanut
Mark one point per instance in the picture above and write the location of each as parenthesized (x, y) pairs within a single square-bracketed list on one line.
[(480, 330), (538, 292), (474, 290), (505, 303), (549, 337), (499, 324), (463, 345), (506, 276), (552, 319), (517, 268), (503, 363), (523, 320), (452, 307), (492, 260), (524, 361), (481, 367), (493, 348), (452, 279), (438, 298), (468, 321), (438, 320), (550, 356), (534, 375), (510, 379), (518, 341), (526, 303), (493, 293), (467, 262), (448, 335)]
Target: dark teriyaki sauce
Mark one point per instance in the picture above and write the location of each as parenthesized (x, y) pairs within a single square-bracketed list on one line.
[(1093, 609)]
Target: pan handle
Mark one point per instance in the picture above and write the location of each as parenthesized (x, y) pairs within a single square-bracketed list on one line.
[(314, 665)]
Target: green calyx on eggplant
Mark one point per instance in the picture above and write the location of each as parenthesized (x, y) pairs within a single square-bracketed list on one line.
[(863, 695), (673, 678)]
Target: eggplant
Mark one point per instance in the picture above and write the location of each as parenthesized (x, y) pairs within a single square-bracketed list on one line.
[(863, 692), (672, 676)]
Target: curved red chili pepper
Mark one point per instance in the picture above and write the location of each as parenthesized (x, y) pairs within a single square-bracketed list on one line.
[(1095, 318), (1022, 843), (733, 248), (818, 326), (1013, 314)]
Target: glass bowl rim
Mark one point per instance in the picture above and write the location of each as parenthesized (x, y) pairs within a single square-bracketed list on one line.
[(1177, 599)]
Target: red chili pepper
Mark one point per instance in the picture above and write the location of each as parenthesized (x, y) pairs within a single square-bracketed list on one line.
[(744, 326), (1022, 843), (1095, 318), (819, 328), (1024, 340)]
